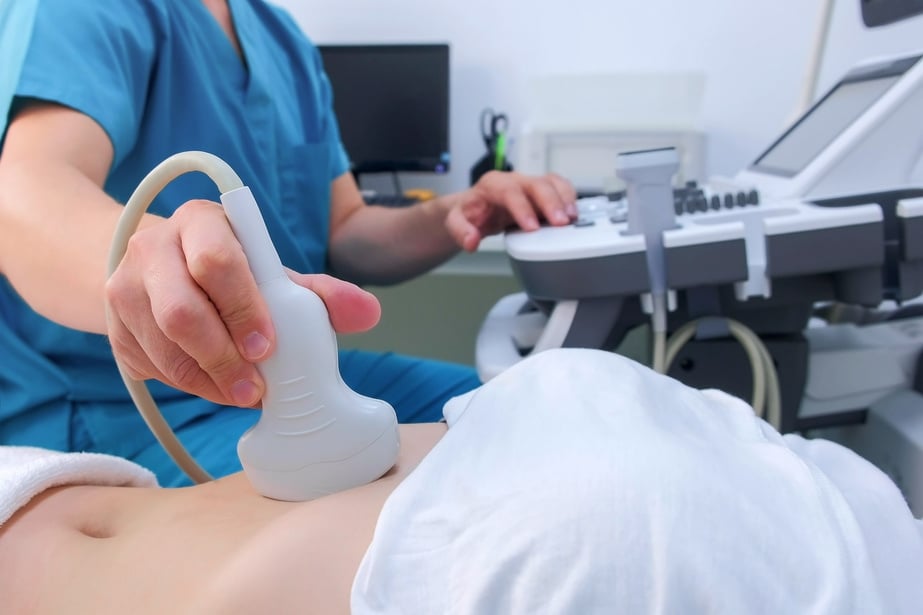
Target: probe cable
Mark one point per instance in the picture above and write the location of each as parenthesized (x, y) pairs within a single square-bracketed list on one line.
[(766, 399), (179, 164)]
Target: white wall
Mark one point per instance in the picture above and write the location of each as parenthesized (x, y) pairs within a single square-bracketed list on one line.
[(754, 54)]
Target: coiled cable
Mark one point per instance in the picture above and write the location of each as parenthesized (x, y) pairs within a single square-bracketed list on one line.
[(766, 400), (155, 181)]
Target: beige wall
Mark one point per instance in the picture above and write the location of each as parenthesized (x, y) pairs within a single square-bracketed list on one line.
[(435, 316)]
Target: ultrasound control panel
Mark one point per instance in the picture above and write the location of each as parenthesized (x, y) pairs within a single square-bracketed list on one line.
[(694, 198), (745, 241), (690, 199)]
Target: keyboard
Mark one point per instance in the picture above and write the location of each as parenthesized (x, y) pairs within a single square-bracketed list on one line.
[(391, 200)]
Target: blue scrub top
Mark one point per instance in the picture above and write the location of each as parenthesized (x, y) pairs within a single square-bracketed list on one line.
[(160, 77), (16, 19)]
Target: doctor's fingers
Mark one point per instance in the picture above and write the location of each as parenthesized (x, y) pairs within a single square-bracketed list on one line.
[(474, 220), (504, 190), (217, 264), (137, 364), (528, 197), (182, 343), (553, 196), (351, 309), (158, 310), (566, 191), (190, 344)]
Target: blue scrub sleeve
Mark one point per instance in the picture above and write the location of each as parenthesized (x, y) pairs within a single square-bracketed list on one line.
[(16, 19), (94, 57)]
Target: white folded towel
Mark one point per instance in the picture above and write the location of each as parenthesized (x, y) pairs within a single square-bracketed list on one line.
[(26, 472)]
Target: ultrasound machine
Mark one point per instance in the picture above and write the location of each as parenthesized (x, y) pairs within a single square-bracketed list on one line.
[(816, 247)]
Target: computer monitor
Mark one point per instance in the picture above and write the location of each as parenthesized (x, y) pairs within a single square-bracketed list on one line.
[(392, 105)]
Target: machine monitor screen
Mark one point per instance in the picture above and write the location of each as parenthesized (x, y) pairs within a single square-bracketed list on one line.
[(392, 105), (883, 12), (829, 117)]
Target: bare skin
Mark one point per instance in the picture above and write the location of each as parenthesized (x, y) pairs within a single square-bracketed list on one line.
[(212, 548)]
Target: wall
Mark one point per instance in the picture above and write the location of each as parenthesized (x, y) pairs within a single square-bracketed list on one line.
[(435, 316)]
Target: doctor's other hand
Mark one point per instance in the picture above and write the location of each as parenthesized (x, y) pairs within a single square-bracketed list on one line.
[(184, 308), (500, 200)]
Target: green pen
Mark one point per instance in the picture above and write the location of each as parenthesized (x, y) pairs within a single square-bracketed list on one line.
[(500, 154)]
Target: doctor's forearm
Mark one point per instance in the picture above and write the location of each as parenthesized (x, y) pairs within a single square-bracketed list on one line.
[(381, 245), (56, 227)]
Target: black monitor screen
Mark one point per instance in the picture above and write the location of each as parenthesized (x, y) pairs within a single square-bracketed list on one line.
[(392, 105), (883, 12)]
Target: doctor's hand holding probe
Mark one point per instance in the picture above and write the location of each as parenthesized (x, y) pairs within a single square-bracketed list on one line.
[(189, 312)]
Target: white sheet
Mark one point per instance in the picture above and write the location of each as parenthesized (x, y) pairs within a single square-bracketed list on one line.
[(26, 472), (581, 482)]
